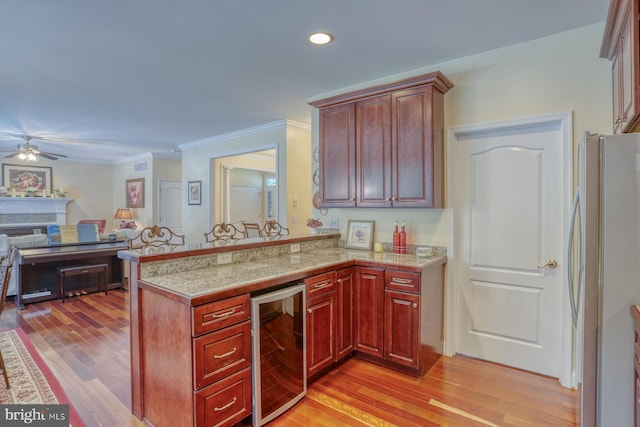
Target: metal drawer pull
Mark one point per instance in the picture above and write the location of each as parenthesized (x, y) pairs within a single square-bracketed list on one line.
[(228, 313), (401, 280), (322, 285), (415, 305), (226, 406), (227, 354)]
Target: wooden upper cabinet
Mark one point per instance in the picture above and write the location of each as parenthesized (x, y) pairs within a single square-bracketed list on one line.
[(383, 146), (338, 156), (620, 44)]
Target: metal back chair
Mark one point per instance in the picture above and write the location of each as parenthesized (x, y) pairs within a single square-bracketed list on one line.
[(5, 276), (224, 233), (273, 228), (156, 237), (252, 229)]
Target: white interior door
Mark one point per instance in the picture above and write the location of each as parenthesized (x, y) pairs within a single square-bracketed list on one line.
[(509, 221), (246, 204), (170, 205)]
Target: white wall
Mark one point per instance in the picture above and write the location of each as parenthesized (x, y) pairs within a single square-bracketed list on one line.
[(554, 74)]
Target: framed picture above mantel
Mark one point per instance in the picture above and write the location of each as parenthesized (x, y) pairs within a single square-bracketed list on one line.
[(23, 180)]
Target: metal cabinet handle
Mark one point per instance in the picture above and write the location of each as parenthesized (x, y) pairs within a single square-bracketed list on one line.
[(222, 408), (222, 356), (552, 263), (228, 313), (309, 310), (321, 285), (401, 280), (415, 305)]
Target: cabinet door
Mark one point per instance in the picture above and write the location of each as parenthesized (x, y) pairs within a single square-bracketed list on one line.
[(337, 156), (629, 69), (373, 152), (417, 148), (369, 301), (402, 328), (344, 327), (321, 338)]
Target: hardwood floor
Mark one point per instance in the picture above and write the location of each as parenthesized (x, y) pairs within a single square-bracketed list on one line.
[(85, 342)]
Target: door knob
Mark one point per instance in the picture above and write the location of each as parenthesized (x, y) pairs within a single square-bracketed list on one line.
[(552, 263)]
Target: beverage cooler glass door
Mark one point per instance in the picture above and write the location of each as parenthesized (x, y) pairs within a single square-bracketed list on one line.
[(279, 352)]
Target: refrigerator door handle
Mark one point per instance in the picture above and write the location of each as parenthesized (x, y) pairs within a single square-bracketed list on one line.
[(572, 297)]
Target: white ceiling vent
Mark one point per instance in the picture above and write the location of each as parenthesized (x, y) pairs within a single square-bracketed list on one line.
[(139, 167)]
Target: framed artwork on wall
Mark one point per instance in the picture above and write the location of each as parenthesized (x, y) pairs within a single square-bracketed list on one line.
[(195, 192), (359, 235), (26, 180), (135, 193)]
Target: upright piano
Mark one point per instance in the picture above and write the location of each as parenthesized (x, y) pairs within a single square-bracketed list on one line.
[(36, 268)]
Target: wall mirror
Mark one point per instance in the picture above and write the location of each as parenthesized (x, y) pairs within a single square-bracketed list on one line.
[(246, 188)]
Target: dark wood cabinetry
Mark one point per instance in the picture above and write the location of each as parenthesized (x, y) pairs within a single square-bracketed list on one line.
[(402, 318), (369, 310), (321, 322), (344, 330), (635, 314), (399, 317), (620, 44), (329, 319), (383, 146)]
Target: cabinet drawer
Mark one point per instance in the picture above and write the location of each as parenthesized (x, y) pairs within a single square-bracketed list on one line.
[(404, 281), (219, 314), (221, 353), (320, 284), (225, 402)]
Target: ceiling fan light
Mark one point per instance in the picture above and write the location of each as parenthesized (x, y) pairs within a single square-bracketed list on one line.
[(32, 157)]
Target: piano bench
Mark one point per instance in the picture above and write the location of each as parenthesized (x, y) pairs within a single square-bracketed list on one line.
[(76, 270)]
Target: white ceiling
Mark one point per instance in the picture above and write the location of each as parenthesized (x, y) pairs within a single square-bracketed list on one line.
[(122, 77)]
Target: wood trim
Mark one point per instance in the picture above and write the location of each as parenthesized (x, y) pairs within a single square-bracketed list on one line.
[(613, 27), (437, 79)]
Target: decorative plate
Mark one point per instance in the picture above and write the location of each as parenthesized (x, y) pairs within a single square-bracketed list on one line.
[(316, 177)]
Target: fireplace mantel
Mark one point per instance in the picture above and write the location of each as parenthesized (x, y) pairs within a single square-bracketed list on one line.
[(25, 213)]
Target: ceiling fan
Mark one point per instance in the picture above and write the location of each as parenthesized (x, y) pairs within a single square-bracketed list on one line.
[(30, 153)]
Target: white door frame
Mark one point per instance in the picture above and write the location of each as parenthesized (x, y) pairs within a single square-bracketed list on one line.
[(564, 120)]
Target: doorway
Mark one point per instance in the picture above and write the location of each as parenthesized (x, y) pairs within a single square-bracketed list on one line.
[(169, 205), (511, 185)]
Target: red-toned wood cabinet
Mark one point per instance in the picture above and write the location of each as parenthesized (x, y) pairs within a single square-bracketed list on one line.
[(321, 322), (402, 318), (384, 146), (620, 44), (635, 314), (344, 330), (369, 310)]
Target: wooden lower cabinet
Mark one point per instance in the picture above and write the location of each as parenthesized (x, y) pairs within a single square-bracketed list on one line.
[(635, 314), (225, 402), (321, 322), (369, 310), (345, 310), (402, 328), (398, 318)]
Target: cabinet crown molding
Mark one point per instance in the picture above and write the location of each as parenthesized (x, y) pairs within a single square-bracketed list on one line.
[(438, 80)]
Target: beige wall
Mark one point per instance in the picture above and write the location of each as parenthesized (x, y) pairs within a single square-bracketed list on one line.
[(88, 184), (560, 73)]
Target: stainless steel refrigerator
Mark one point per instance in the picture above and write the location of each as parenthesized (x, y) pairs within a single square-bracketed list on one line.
[(607, 280)]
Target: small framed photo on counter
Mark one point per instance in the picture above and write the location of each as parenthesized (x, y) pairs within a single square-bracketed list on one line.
[(359, 235)]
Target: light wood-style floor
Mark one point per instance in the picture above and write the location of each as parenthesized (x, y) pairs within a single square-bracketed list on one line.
[(85, 342)]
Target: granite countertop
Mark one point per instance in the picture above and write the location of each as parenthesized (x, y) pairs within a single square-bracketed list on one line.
[(196, 283)]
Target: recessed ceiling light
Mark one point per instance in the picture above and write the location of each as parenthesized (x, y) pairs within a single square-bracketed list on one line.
[(320, 38)]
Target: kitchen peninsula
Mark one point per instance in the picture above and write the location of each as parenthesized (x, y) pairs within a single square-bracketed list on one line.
[(190, 318)]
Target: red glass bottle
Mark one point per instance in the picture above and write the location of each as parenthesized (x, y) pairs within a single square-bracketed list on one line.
[(403, 241), (396, 239)]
